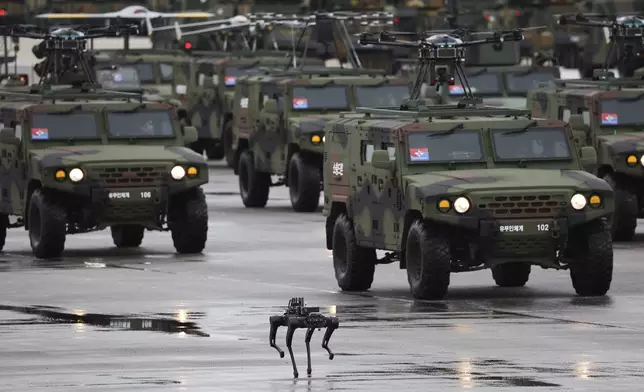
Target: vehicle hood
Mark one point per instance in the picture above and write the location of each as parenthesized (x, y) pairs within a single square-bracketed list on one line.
[(69, 155), (463, 181), (310, 124), (623, 142)]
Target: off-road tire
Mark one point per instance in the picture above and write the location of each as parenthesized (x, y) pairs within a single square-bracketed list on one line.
[(227, 143), (188, 221), (4, 225), (511, 274), (591, 269), (624, 219), (127, 236), (47, 226), (304, 184), (354, 265), (428, 260), (254, 186)]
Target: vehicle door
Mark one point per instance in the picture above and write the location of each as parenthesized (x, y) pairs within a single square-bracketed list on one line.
[(242, 127), (13, 167), (364, 184)]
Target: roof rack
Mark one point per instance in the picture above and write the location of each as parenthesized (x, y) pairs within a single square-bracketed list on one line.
[(612, 84), (41, 93), (447, 111)]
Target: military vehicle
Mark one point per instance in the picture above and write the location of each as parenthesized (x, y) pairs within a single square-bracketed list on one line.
[(279, 126), (452, 188), (79, 158)]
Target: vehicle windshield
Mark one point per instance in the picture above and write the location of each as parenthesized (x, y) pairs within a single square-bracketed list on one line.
[(387, 95), (143, 123), (145, 72), (481, 84), (320, 98), (523, 83), (532, 144), (616, 112), (119, 78), (232, 73), (433, 147), (63, 126)]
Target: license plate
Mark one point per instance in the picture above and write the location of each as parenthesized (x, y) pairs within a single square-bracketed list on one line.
[(525, 227), (131, 195)]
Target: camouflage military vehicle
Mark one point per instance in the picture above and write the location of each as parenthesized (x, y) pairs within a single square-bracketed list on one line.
[(445, 189), (605, 115), (83, 159), (222, 74), (279, 127)]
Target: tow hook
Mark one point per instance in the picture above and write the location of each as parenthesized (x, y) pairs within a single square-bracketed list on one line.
[(556, 229)]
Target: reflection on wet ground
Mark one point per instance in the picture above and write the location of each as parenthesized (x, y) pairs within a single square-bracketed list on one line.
[(53, 315)]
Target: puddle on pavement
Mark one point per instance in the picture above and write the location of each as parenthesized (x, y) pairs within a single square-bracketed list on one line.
[(222, 193), (46, 315)]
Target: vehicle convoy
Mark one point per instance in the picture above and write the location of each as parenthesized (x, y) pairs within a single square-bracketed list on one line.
[(452, 188), (279, 126), (78, 158)]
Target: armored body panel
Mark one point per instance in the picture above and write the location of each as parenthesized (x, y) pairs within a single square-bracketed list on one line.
[(279, 125), (455, 189), (79, 160), (605, 115)]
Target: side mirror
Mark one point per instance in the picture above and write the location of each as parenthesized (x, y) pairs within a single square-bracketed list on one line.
[(588, 156), (8, 136), (190, 134), (380, 160), (270, 106)]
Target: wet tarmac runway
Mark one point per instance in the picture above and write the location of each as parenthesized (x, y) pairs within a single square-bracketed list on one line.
[(106, 319)]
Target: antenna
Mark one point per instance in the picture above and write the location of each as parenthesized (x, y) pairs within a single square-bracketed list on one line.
[(64, 50), (439, 56), (625, 35)]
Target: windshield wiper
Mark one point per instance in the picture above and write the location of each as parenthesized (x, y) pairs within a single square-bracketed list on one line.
[(68, 111), (521, 130), (135, 109), (449, 131)]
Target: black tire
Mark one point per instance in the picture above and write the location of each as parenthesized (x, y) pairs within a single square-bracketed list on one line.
[(428, 259), (511, 274), (215, 151), (4, 225), (227, 143), (127, 236), (47, 226), (304, 184), (354, 265), (624, 219), (591, 269), (188, 221), (253, 186)]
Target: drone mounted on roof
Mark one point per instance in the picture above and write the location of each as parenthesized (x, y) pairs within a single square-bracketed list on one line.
[(64, 50), (440, 55), (625, 36)]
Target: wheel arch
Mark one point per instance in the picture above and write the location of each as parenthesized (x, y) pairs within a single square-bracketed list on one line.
[(31, 187), (242, 145), (410, 217)]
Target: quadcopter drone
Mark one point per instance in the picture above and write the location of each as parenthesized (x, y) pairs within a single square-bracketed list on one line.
[(625, 35), (297, 315), (64, 50), (440, 50)]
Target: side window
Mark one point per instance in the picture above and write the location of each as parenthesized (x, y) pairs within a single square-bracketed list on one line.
[(367, 152), (585, 114), (166, 72), (391, 150), (564, 114)]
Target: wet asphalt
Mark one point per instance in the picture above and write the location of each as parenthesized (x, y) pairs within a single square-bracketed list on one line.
[(103, 319)]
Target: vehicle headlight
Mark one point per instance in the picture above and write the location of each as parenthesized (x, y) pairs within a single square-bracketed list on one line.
[(642, 160), (461, 205), (324, 139), (178, 172), (76, 174), (578, 201)]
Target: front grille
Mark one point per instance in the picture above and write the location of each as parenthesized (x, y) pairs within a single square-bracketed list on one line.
[(128, 176), (518, 247), (537, 206)]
